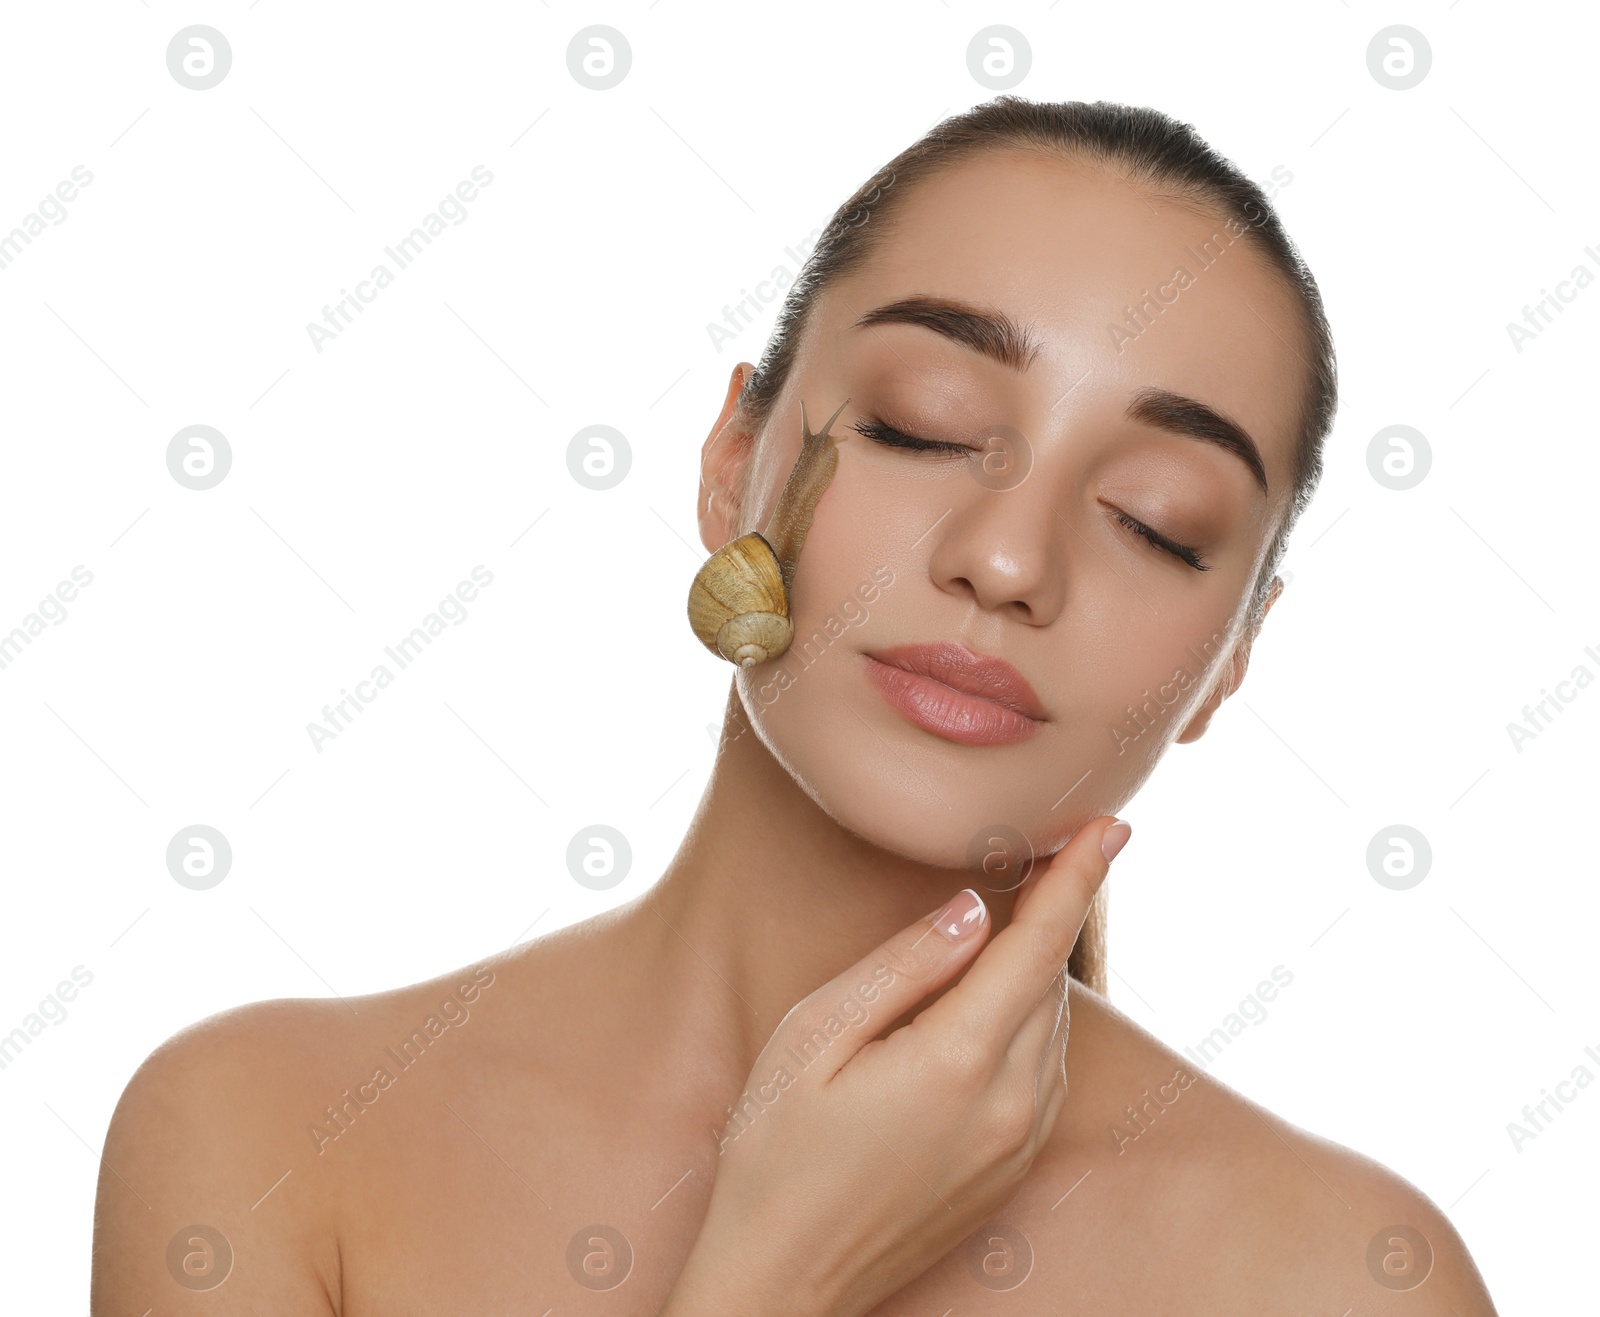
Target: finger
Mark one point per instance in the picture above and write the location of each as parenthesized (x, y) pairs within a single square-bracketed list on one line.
[(1005, 983), (1038, 1045), (1034, 1033), (1036, 871), (1055, 1099), (1038, 1056), (1039, 1068), (1052, 1067), (1049, 1056), (833, 1023)]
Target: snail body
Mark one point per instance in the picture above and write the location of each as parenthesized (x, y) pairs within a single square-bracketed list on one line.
[(739, 599)]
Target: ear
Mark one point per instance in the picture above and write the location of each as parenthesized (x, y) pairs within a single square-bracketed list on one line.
[(1231, 673), (722, 459)]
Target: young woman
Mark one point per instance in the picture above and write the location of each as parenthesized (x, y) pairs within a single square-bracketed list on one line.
[(837, 1059)]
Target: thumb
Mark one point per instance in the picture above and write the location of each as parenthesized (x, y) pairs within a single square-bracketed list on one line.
[(883, 985), (1113, 836)]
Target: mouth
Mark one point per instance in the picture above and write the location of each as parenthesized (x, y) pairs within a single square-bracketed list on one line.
[(947, 689)]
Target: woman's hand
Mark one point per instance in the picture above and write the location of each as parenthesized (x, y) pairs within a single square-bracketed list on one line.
[(853, 1163)]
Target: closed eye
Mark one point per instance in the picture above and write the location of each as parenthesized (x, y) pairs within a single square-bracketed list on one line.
[(1180, 551), (889, 437)]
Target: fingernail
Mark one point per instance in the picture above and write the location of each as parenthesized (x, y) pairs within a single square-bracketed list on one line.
[(1114, 839), (963, 916)]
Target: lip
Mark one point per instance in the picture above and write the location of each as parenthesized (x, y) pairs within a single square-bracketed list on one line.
[(946, 688)]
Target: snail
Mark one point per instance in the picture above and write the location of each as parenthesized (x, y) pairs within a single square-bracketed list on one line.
[(739, 601)]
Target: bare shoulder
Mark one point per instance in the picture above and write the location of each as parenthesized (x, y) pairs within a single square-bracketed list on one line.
[(1264, 1210), (208, 1177), (191, 1194)]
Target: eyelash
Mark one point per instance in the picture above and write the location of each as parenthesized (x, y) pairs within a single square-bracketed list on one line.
[(1180, 551), (889, 437)]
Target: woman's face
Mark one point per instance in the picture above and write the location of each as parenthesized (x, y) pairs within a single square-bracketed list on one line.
[(1015, 549)]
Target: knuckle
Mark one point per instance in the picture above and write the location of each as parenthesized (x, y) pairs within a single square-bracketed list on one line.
[(1049, 946), (1013, 1122), (805, 1034), (904, 961), (959, 1066), (806, 1031), (1012, 1118)]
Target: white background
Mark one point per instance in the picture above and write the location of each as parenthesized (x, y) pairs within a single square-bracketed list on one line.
[(431, 436)]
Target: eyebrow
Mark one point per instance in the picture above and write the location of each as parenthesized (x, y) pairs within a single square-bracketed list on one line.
[(1193, 419), (992, 333), (1000, 338)]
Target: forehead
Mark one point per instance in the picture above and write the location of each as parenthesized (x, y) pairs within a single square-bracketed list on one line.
[(1119, 286)]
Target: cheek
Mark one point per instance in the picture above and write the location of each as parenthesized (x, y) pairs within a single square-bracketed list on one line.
[(1141, 677), (850, 586), (861, 525), (822, 598), (839, 586)]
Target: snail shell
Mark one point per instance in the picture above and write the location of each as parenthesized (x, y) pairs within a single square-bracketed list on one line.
[(739, 600), (738, 605)]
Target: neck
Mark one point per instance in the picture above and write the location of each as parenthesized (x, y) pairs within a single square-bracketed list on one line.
[(768, 898)]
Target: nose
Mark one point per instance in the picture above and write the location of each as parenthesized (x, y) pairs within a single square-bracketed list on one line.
[(1003, 549)]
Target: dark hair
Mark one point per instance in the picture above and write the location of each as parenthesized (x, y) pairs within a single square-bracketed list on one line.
[(1154, 150)]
